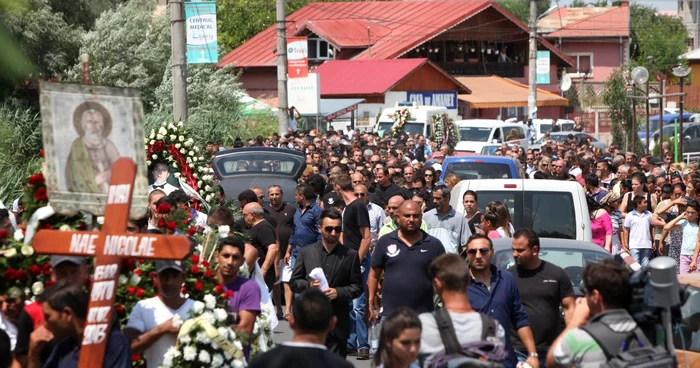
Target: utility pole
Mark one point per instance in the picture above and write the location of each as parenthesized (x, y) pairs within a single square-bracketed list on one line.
[(532, 65), (282, 112), (179, 62)]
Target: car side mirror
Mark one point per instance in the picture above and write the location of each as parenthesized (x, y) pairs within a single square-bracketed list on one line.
[(687, 137)]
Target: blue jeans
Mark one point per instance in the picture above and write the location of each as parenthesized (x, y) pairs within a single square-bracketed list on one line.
[(522, 357), (358, 338), (642, 256)]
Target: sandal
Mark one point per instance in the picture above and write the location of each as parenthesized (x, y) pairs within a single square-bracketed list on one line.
[(280, 316)]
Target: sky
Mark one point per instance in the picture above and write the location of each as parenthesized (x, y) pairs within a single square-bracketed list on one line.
[(659, 4)]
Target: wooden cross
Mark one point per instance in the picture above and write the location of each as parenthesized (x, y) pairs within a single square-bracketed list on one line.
[(109, 247)]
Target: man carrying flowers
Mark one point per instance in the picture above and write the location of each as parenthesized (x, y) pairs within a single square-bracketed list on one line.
[(154, 323)]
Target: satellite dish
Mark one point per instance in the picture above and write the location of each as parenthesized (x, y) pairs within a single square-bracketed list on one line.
[(681, 71), (565, 83), (640, 75)]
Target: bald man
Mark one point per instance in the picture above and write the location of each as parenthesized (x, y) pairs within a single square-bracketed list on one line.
[(403, 256), (262, 235), (392, 208)]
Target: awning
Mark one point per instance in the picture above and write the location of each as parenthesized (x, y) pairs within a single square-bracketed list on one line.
[(494, 92)]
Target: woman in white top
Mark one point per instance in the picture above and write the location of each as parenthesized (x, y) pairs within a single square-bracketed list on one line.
[(504, 226), (399, 340)]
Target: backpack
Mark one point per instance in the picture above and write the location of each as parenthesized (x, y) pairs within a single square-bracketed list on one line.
[(487, 353), (629, 348)]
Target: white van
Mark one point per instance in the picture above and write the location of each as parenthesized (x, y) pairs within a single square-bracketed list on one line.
[(542, 126), (420, 122), (474, 134), (552, 208)]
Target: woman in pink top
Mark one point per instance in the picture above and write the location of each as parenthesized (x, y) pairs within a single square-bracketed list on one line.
[(601, 224), (489, 222)]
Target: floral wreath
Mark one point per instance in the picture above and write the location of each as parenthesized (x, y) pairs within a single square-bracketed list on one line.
[(445, 131), (168, 144), (399, 117)]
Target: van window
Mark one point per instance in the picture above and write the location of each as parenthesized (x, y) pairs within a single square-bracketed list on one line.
[(513, 133), (384, 128), (533, 210), (474, 134), (478, 170)]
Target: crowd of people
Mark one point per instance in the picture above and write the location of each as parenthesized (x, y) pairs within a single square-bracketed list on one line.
[(369, 238)]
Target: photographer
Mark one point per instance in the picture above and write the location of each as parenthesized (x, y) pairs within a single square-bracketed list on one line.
[(603, 308)]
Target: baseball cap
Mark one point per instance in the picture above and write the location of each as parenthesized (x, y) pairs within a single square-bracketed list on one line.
[(56, 260), (163, 265)]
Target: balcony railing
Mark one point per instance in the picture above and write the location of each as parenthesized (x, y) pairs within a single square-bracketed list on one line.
[(506, 70)]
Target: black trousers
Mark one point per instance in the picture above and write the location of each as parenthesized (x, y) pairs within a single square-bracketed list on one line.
[(337, 346)]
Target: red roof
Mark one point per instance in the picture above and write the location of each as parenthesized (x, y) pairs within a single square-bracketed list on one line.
[(370, 77), (347, 33), (406, 24), (605, 22)]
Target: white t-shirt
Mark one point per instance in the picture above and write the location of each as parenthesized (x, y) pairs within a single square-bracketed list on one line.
[(149, 313), (10, 329)]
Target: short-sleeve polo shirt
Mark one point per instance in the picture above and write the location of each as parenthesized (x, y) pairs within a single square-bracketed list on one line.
[(406, 279)]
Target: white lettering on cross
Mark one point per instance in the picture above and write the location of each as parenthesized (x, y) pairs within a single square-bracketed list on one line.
[(98, 314), (129, 246), (106, 272), (102, 290), (83, 244), (118, 194), (94, 334)]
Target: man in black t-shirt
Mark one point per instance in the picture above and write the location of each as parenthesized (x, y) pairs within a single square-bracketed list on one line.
[(311, 320), (543, 287), (386, 188), (262, 235), (283, 213)]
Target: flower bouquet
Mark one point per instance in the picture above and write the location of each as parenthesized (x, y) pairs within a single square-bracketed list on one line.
[(399, 117), (445, 131), (24, 273)]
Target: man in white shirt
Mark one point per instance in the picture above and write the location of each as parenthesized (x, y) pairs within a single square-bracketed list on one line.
[(11, 306), (161, 172), (150, 328)]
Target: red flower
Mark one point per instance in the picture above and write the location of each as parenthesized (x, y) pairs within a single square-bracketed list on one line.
[(138, 272), (41, 153), (172, 226), (198, 285), (40, 194), (192, 230), (218, 289), (120, 309), (205, 263), (155, 284), (161, 222), (228, 294), (34, 270), (163, 208), (159, 146), (128, 264), (139, 293), (46, 266), (185, 222), (195, 269), (49, 283), (136, 357), (4, 234), (184, 290), (46, 272), (10, 274), (37, 179), (82, 225), (22, 275), (130, 290), (208, 274), (195, 258), (152, 274)]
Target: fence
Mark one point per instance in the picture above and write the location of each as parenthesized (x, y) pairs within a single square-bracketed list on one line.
[(692, 97)]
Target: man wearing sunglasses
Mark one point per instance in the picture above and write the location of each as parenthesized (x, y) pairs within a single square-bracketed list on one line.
[(341, 271)]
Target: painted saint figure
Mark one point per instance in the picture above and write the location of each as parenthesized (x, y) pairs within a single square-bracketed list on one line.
[(89, 164)]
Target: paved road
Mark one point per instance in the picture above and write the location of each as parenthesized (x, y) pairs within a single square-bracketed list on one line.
[(284, 333)]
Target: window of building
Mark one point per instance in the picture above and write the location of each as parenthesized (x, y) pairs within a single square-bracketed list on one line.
[(690, 42), (319, 49), (583, 66)]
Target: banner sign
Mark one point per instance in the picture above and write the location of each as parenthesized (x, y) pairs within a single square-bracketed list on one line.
[(446, 99), (305, 94), (543, 67), (342, 112), (297, 57), (200, 23)]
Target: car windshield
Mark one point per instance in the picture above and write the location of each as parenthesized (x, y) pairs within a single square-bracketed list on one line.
[(490, 150), (474, 134), (384, 128), (668, 130), (685, 336), (255, 162), (478, 170), (573, 261), (544, 128)]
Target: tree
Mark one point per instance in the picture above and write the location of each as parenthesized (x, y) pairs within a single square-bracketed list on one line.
[(656, 40), (521, 8), (578, 4), (615, 96), (129, 47)]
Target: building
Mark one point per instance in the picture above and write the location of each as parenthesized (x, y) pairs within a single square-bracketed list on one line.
[(596, 38), (462, 38), (689, 11)]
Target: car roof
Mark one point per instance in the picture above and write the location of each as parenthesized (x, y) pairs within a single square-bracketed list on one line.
[(551, 243), (485, 159), (261, 149), (480, 122)]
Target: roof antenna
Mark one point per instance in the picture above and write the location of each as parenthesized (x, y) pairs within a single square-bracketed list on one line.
[(369, 42)]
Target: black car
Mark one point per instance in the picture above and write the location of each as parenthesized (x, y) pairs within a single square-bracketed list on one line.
[(242, 168)]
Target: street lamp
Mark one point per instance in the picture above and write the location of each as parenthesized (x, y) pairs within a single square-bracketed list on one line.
[(681, 71), (640, 76)]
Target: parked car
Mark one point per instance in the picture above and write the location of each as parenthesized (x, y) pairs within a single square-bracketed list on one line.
[(571, 255), (542, 126), (552, 208), (691, 136), (241, 168), (686, 335), (654, 123), (562, 136), (481, 167), (476, 133)]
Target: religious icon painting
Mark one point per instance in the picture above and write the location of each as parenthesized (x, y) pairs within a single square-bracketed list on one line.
[(86, 129)]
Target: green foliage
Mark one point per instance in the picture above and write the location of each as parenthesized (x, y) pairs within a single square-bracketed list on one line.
[(573, 96), (656, 40), (624, 129), (577, 4), (75, 12), (521, 8), (20, 143), (129, 47), (672, 144)]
